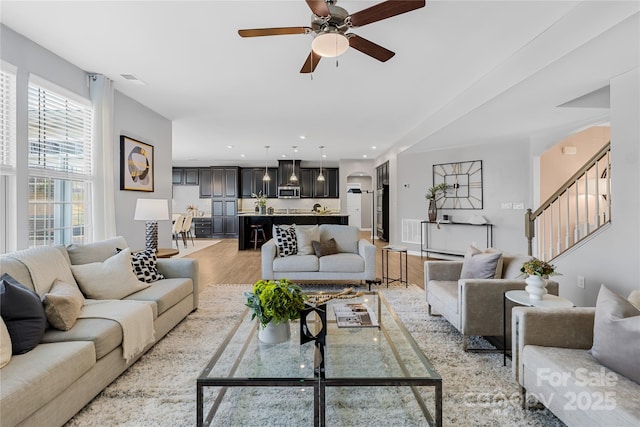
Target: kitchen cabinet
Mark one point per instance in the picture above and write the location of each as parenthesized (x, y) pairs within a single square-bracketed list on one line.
[(310, 187), (202, 227), (251, 182), (205, 177), (382, 175), (285, 169), (185, 176)]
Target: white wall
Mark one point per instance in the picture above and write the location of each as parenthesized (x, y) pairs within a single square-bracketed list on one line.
[(136, 121), (506, 178), (613, 256)]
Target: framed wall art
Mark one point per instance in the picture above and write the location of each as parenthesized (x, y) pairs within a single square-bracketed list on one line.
[(464, 184), (136, 165)]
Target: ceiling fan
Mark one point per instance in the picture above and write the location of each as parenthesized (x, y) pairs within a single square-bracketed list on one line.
[(330, 24)]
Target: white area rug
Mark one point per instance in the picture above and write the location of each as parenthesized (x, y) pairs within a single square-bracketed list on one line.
[(160, 389), (198, 244)]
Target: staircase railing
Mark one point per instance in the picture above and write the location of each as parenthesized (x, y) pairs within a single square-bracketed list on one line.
[(577, 209)]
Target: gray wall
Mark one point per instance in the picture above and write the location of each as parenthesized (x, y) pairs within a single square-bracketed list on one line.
[(139, 122), (130, 118), (506, 178)]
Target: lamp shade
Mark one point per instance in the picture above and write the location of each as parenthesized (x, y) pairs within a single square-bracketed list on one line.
[(330, 45), (152, 210)]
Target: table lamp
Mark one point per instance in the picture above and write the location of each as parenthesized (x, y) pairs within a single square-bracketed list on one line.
[(151, 211)]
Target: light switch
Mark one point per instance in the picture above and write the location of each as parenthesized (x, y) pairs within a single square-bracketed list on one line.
[(507, 205), (518, 205)]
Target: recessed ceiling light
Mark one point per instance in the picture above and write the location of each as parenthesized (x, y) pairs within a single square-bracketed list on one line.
[(303, 137), (229, 147), (283, 155), (374, 147), (241, 155), (364, 156)]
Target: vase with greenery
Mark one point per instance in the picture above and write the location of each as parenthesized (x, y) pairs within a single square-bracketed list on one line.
[(431, 196), (274, 303), (260, 203), (537, 271)]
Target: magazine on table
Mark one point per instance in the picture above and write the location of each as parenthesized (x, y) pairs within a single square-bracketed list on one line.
[(355, 315)]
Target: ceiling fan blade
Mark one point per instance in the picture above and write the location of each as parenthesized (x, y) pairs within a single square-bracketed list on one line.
[(311, 63), (370, 48), (384, 10), (319, 7), (258, 32)]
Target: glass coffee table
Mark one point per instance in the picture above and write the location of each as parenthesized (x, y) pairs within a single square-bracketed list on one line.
[(350, 376)]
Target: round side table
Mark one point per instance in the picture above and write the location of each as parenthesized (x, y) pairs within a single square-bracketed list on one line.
[(522, 298), (402, 251)]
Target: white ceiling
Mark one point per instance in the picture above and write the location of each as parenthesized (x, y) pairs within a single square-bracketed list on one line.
[(465, 72)]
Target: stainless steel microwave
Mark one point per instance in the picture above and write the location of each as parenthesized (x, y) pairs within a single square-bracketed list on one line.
[(289, 192)]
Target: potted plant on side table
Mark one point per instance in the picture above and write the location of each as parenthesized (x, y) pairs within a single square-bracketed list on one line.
[(275, 303), (431, 196), (537, 271)]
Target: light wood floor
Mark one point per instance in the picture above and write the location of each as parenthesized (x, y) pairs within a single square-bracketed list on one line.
[(224, 263)]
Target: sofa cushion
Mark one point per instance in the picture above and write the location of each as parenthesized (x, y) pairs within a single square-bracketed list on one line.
[(285, 237), (62, 305), (23, 314), (346, 236), (616, 334), (342, 263), (481, 265), (304, 236), (104, 334), (297, 263), (5, 344), (111, 279), (95, 252), (511, 265), (324, 248), (31, 379), (576, 386), (164, 293)]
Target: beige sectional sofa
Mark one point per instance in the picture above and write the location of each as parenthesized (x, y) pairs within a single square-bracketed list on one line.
[(355, 258), (474, 306), (49, 384)]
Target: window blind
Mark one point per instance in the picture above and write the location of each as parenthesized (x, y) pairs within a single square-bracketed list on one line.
[(59, 135), (7, 121)]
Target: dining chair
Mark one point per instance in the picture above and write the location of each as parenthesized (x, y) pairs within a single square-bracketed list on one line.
[(177, 229), (186, 230)]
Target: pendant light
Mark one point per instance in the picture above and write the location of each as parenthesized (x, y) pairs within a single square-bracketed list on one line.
[(266, 176), (293, 177), (321, 177)]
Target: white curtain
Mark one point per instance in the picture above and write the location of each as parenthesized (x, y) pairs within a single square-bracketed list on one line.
[(103, 193)]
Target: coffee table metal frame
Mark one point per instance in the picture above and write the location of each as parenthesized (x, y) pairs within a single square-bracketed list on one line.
[(319, 381)]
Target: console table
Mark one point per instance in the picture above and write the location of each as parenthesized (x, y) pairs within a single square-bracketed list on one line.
[(424, 237)]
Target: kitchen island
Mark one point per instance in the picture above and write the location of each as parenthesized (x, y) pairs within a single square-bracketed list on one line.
[(246, 220)]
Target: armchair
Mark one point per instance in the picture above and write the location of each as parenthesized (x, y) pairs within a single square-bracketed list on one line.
[(473, 306)]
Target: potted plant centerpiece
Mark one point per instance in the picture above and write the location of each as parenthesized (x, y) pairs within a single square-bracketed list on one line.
[(537, 271), (274, 303), (431, 196), (261, 202)]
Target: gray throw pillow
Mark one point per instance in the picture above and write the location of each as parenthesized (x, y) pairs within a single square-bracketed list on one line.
[(616, 334), (481, 265), (23, 313), (324, 248)]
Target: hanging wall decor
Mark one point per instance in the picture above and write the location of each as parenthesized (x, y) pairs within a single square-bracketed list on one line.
[(136, 165), (464, 184)]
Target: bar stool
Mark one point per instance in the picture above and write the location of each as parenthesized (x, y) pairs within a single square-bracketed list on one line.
[(257, 235)]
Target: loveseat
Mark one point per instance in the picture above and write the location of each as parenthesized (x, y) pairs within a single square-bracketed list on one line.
[(474, 306), (50, 383), (341, 254), (555, 363)]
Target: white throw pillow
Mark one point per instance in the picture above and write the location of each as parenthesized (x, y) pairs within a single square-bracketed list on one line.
[(111, 279), (634, 298), (5, 345), (304, 236)]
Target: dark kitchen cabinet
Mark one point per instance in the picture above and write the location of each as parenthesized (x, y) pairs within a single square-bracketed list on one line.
[(285, 169), (205, 177), (224, 201), (310, 187), (185, 176), (251, 182), (202, 227)]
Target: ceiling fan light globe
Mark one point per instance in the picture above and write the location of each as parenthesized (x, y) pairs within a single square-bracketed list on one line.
[(330, 45)]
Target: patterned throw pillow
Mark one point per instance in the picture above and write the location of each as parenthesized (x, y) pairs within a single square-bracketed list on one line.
[(144, 265), (286, 241)]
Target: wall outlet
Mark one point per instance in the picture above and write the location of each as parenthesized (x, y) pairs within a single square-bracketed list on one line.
[(581, 282)]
